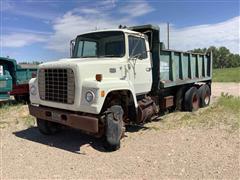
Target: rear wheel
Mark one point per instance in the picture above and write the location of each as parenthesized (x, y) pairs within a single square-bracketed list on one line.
[(204, 95), (47, 127), (191, 99), (114, 128)]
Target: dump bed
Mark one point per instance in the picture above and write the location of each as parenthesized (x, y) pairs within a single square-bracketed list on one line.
[(25, 72), (20, 73), (171, 67), (177, 68)]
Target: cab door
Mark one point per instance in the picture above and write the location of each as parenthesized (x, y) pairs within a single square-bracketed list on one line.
[(140, 68)]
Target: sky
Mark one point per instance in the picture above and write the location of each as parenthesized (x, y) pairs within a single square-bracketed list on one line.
[(34, 30)]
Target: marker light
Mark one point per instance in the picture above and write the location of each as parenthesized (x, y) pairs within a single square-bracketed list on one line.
[(99, 77)]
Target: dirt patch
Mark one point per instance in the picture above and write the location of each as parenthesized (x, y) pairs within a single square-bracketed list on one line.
[(145, 154), (230, 88)]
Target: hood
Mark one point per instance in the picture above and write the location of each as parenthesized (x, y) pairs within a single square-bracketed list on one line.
[(89, 67), (82, 61)]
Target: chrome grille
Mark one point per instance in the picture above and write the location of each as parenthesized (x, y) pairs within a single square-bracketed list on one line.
[(57, 85)]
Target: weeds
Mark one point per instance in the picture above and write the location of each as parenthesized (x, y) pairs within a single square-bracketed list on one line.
[(230, 102), (15, 114), (29, 121)]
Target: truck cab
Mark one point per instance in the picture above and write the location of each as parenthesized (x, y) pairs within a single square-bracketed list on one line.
[(111, 79)]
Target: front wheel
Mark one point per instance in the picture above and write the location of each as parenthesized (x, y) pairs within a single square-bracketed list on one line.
[(47, 127), (114, 128)]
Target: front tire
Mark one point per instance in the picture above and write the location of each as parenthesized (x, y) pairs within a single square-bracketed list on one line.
[(47, 127), (114, 128)]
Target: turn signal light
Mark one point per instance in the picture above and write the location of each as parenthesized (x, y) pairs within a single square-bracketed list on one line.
[(102, 93), (99, 77)]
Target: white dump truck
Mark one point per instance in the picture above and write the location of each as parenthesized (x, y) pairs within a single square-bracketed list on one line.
[(117, 77)]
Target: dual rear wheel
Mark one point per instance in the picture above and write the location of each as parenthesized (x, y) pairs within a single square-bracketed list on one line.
[(196, 98), (204, 95)]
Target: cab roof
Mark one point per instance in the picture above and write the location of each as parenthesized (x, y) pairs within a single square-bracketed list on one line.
[(130, 30), (116, 29)]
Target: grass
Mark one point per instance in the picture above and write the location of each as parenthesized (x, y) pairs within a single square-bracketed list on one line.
[(29, 121), (15, 114), (224, 114), (230, 102), (226, 75)]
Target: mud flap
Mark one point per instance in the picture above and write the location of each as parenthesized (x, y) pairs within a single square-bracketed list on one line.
[(114, 124)]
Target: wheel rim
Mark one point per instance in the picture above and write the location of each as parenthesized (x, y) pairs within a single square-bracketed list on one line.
[(207, 99), (195, 103)]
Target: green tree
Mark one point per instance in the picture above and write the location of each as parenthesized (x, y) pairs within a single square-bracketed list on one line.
[(222, 57)]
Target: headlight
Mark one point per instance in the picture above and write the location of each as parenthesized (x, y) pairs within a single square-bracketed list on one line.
[(89, 96), (33, 90)]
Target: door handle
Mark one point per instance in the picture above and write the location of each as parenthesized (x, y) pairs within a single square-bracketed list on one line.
[(148, 69)]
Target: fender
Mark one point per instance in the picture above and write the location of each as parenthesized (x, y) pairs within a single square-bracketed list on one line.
[(95, 107), (107, 86)]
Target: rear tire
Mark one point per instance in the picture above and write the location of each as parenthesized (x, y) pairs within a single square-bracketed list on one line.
[(114, 128), (47, 127), (191, 99), (204, 95)]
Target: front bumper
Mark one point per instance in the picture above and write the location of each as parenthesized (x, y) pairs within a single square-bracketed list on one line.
[(68, 118)]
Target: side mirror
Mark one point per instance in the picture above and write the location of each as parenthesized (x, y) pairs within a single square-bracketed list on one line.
[(72, 44)]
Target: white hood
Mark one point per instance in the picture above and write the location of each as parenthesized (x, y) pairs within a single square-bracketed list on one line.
[(89, 67)]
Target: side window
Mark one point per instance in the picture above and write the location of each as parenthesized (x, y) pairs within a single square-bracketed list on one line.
[(137, 47)]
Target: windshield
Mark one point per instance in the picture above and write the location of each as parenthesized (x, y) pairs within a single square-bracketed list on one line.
[(100, 44)]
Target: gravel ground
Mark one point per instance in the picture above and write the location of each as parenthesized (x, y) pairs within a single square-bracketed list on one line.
[(183, 153), (230, 88)]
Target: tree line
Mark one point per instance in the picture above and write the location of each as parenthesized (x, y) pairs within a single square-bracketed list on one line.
[(222, 57)]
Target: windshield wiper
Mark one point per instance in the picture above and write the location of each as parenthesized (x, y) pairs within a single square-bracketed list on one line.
[(87, 56), (110, 55)]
